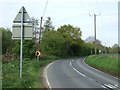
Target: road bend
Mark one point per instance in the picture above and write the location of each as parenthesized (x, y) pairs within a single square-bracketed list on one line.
[(75, 73)]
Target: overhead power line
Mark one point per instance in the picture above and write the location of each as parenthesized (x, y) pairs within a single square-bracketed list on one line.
[(90, 9), (83, 6), (97, 5), (45, 8), (90, 6)]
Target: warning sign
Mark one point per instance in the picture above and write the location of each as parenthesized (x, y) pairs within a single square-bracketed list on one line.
[(38, 53)]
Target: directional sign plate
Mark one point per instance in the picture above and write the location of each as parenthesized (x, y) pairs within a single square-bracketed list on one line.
[(27, 31)]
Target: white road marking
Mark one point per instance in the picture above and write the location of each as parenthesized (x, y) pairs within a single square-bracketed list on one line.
[(107, 85), (91, 67), (49, 86), (103, 86), (116, 85), (110, 86), (98, 70), (70, 64), (76, 70), (79, 72)]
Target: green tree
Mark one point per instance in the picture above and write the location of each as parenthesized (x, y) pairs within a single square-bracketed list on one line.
[(7, 41), (53, 43), (28, 49), (73, 37), (90, 48), (90, 42), (115, 48), (90, 39), (69, 30)]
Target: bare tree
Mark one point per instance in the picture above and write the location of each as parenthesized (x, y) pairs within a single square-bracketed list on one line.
[(90, 39), (48, 25)]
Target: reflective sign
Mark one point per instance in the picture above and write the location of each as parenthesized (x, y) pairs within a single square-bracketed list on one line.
[(38, 53)]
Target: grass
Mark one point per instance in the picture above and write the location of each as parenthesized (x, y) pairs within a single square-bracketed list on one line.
[(105, 62), (30, 74)]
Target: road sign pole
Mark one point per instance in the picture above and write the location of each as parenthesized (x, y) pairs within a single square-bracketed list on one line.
[(21, 43), (18, 30)]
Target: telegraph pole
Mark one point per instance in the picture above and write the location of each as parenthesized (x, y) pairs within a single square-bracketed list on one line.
[(40, 36), (95, 32)]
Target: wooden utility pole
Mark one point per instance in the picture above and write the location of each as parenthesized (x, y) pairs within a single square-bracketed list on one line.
[(40, 36), (95, 32)]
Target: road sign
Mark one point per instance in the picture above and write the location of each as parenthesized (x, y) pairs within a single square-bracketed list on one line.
[(22, 31), (26, 18), (27, 31), (38, 53)]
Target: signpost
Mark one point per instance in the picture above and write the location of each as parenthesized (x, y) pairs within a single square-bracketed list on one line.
[(119, 24), (23, 30)]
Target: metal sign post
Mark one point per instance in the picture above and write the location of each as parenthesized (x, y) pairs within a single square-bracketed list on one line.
[(21, 43)]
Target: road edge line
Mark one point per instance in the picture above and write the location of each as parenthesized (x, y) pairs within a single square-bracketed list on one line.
[(99, 70), (45, 74)]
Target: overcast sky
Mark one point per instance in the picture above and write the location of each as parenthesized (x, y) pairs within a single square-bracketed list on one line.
[(74, 12)]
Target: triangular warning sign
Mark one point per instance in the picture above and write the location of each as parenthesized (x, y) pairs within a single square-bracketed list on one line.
[(26, 17)]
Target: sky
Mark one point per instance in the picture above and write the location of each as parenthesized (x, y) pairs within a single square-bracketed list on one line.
[(79, 13)]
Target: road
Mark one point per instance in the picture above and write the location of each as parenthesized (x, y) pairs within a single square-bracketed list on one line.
[(75, 73)]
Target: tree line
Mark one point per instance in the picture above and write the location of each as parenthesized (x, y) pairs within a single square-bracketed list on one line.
[(66, 41)]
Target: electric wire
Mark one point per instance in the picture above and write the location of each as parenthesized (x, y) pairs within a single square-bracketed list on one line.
[(100, 19), (45, 8), (97, 5), (90, 6), (87, 11), (41, 21), (91, 9)]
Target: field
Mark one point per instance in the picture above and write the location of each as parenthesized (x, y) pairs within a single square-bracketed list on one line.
[(108, 63), (31, 73)]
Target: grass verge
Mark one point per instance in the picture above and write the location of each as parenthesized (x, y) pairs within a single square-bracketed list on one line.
[(105, 62), (30, 74)]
